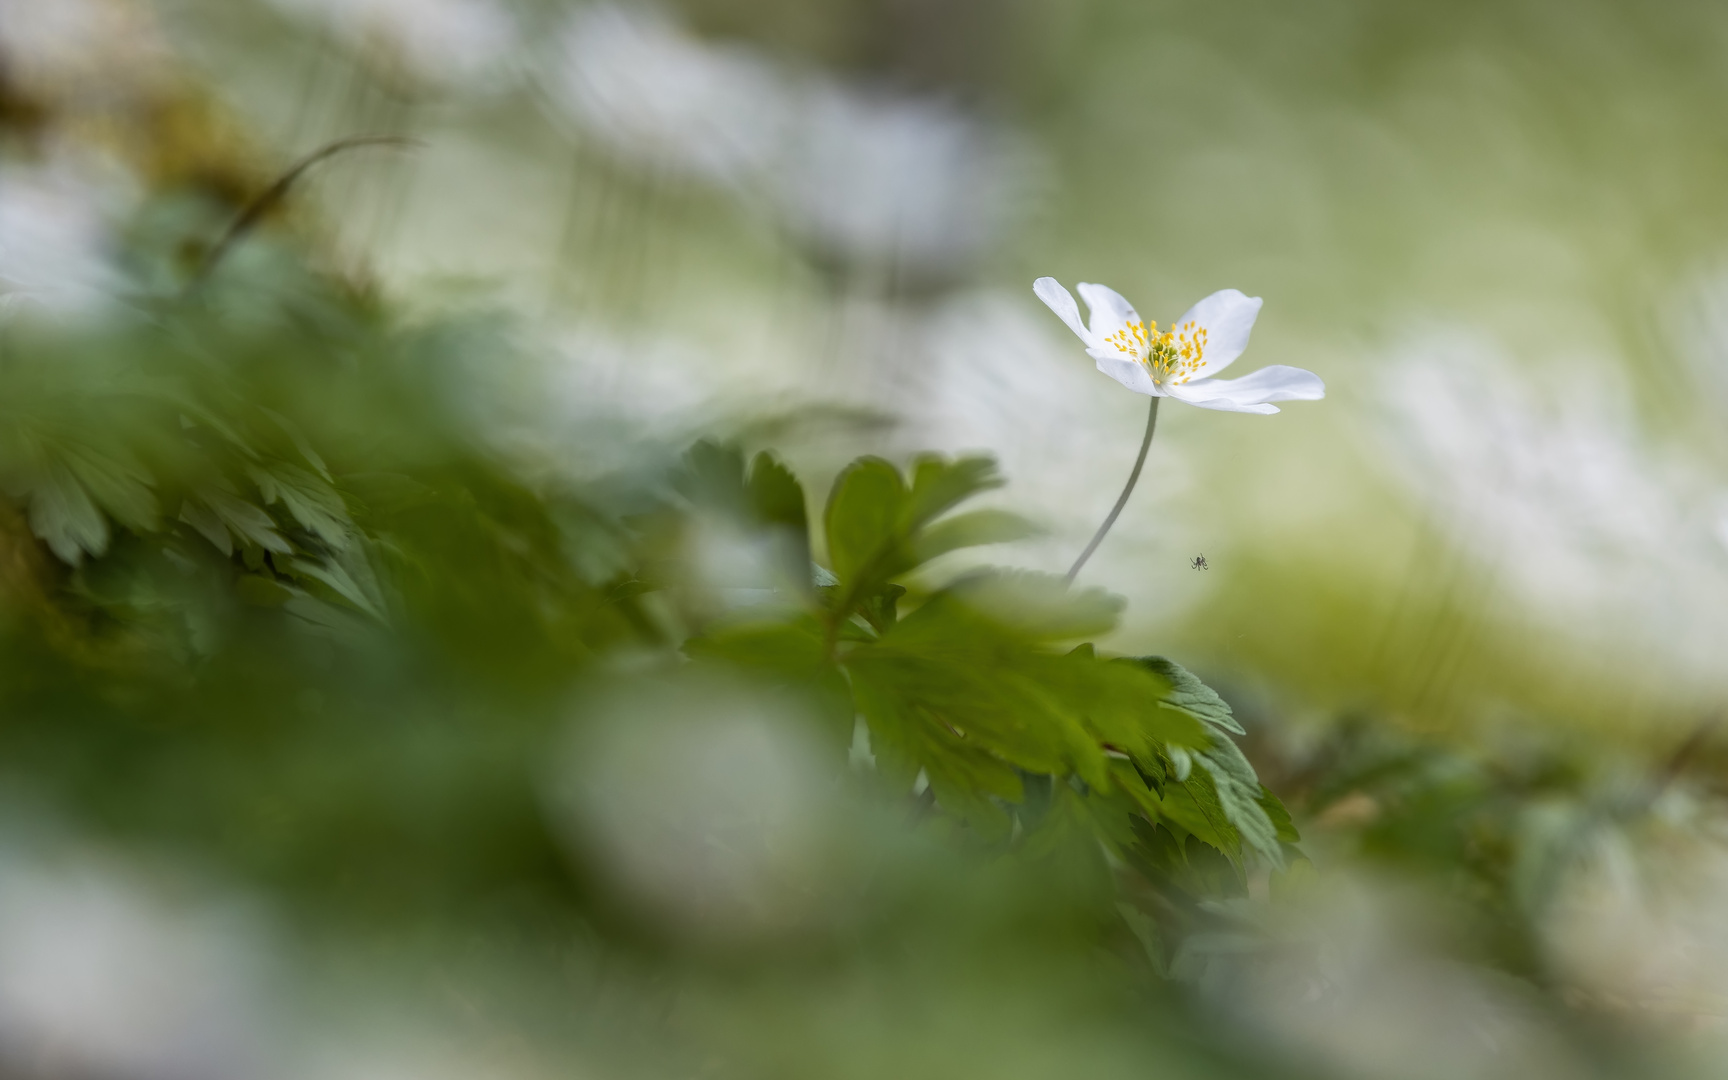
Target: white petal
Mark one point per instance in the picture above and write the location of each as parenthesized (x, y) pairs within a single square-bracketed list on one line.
[(1220, 404), (1228, 317), (1279, 382), (1252, 393), (1128, 372), (1061, 301), (1110, 312)]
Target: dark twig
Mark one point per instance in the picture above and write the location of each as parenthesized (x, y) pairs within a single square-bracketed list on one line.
[(255, 210)]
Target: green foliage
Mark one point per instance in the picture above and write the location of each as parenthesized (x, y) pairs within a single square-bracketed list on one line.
[(269, 600), (978, 700)]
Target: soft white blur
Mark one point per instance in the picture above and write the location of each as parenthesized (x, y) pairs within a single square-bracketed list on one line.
[(885, 181), (657, 98), (1635, 923), (1356, 978), (708, 803), (77, 50), (439, 43), (106, 972), (1594, 529), (57, 236)]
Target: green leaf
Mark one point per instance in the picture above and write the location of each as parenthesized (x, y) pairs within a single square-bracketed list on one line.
[(117, 483), (778, 646), (863, 521), (792, 655), (1040, 607), (776, 497), (1194, 805), (208, 525), (311, 501), (262, 591), (347, 574), (1238, 793), (875, 520), (63, 515), (952, 668), (1234, 787), (776, 503), (1191, 695), (301, 443), (1279, 816), (881, 609), (972, 529), (713, 476), (909, 734), (938, 485), (244, 520)]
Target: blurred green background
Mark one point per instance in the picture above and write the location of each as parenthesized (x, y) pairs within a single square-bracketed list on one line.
[(1471, 608), (1535, 180)]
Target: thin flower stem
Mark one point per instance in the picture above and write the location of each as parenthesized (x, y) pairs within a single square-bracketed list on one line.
[(1121, 500)]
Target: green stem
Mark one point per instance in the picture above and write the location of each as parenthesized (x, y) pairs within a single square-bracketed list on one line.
[(1121, 500)]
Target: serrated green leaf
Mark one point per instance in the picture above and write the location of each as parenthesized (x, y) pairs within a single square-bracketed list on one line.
[(301, 443), (1194, 805), (713, 476), (311, 501), (1119, 704), (1238, 793), (117, 483), (949, 666), (347, 574), (244, 520), (972, 529), (862, 523), (1279, 816), (776, 496), (63, 515), (1129, 780), (938, 485), (207, 524), (1191, 695)]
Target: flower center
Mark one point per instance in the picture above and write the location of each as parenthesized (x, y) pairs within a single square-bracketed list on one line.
[(1172, 355)]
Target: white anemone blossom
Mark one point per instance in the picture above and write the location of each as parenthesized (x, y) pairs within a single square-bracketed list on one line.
[(1180, 362)]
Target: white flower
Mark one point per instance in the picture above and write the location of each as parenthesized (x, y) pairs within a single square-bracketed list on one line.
[(1180, 361)]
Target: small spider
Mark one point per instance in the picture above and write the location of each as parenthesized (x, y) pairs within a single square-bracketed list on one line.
[(1198, 562)]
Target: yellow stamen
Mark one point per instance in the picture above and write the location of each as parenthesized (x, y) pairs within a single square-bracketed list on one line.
[(1173, 355)]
